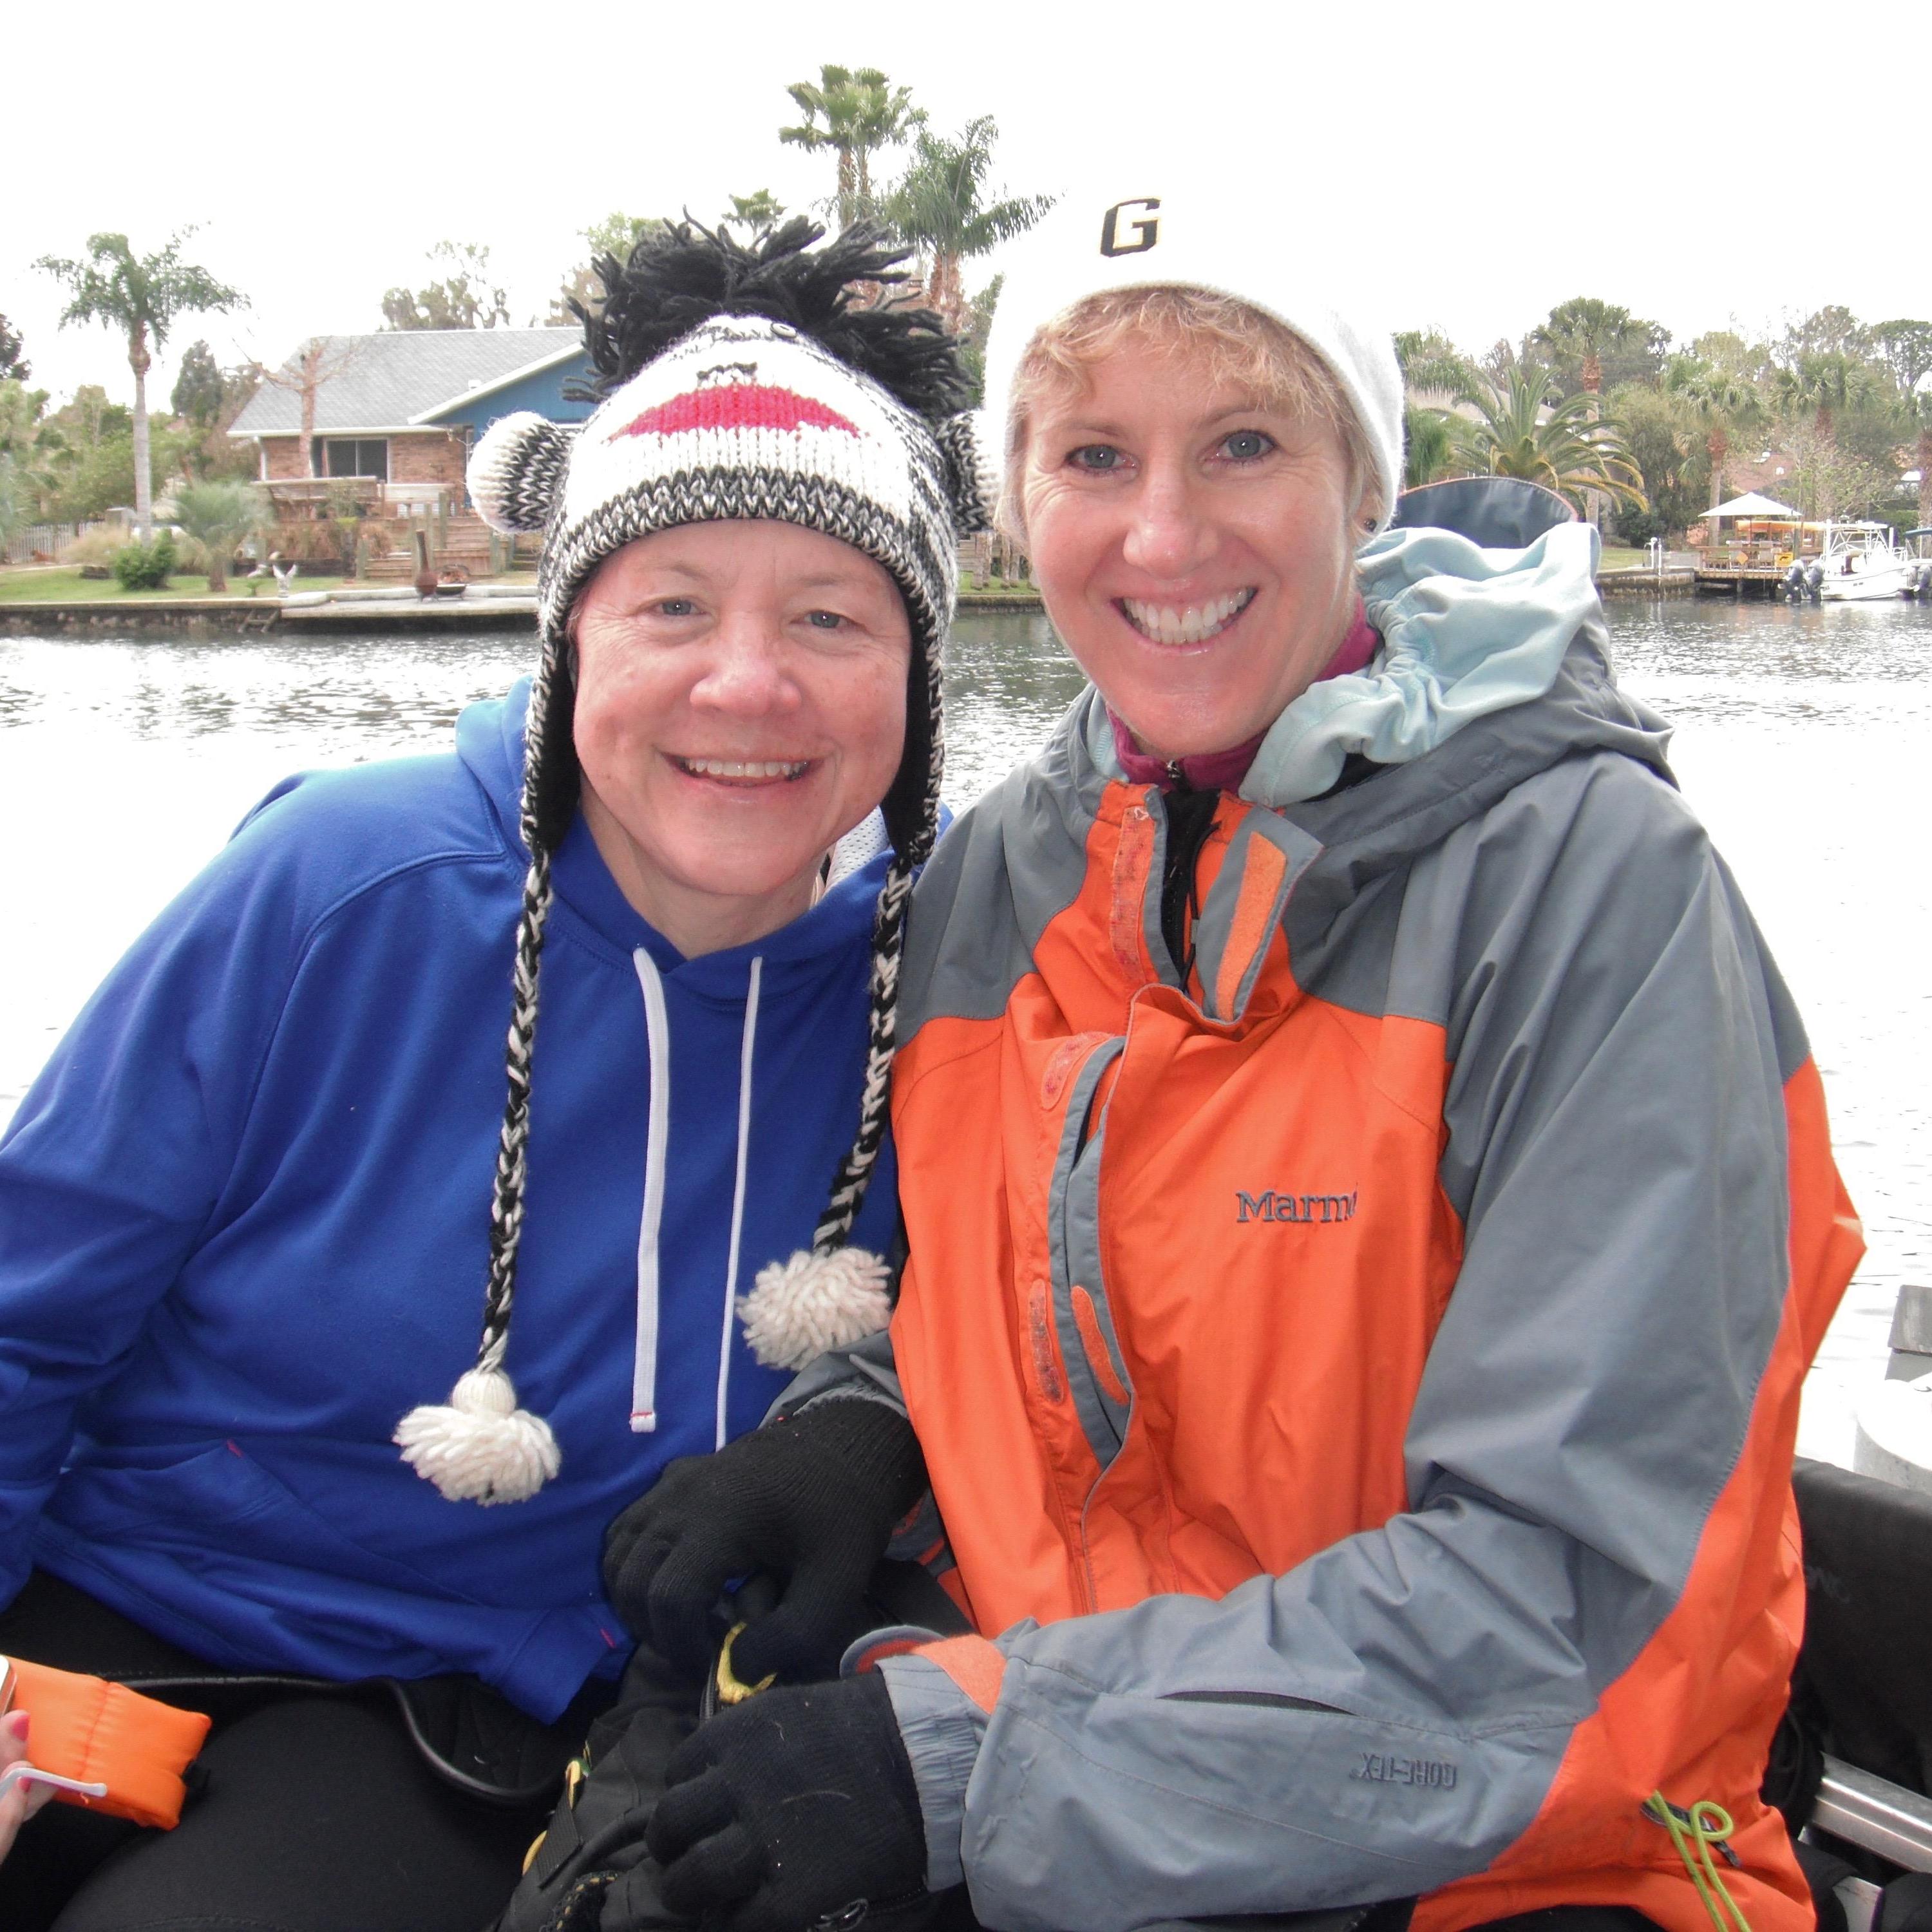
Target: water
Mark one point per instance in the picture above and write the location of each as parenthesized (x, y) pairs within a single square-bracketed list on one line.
[(1804, 737)]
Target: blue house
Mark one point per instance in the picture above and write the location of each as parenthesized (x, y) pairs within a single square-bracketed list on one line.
[(397, 413)]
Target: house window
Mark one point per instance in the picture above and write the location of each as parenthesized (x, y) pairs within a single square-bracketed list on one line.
[(348, 456)]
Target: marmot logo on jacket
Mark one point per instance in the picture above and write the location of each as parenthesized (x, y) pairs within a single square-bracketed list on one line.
[(1271, 1206)]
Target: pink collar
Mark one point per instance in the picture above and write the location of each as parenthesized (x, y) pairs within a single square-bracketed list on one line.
[(1223, 771)]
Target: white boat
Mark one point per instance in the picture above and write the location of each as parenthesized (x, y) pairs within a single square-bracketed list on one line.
[(1862, 560)]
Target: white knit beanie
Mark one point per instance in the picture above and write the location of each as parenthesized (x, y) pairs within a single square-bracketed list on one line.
[(1188, 234), (738, 385)]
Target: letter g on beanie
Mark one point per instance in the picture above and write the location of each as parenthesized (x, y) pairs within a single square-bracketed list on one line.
[(1144, 229)]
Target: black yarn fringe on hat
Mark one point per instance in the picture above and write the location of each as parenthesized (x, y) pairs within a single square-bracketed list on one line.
[(685, 274)]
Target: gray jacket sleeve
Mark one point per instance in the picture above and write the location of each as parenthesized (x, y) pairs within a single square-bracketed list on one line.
[(1390, 1715), (866, 1369)]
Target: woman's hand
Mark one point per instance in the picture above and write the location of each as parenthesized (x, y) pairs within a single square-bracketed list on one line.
[(22, 1801), (812, 1500), (797, 1806)]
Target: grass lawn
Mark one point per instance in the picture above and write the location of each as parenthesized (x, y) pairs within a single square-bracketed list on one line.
[(21, 585), (1615, 558)]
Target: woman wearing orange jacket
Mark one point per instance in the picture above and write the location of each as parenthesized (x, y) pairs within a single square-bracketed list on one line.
[(1369, 1210)]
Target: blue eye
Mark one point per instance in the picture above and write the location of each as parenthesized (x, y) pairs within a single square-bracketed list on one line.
[(676, 607), (1244, 445), (1099, 458), (825, 620)]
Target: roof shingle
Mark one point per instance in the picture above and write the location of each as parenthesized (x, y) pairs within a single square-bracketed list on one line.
[(397, 375)]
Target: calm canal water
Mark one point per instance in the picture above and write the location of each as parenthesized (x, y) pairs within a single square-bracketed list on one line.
[(1804, 738)]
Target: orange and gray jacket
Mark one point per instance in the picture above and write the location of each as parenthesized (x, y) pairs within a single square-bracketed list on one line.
[(1359, 1383)]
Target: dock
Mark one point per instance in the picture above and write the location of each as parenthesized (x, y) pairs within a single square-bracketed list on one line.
[(1742, 580)]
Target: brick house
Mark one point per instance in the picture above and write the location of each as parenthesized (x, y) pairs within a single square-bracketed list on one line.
[(394, 425)]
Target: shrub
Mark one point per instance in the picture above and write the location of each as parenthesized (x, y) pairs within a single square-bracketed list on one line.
[(145, 566)]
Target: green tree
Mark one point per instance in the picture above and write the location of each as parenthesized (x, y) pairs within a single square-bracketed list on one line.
[(142, 296), (1518, 431), (1921, 429), (1429, 445), (14, 366), (30, 445), (757, 213), (89, 443), (943, 207), (218, 516), (1586, 344), (612, 239), (464, 298), (1906, 347), (1432, 365), (1830, 331), (1828, 481), (1722, 402), (854, 111), (1661, 432), (199, 388), (1825, 384)]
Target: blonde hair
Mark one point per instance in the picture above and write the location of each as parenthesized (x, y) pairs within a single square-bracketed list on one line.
[(1241, 346)]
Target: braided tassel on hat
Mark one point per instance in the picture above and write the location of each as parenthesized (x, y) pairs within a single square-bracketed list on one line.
[(480, 1446)]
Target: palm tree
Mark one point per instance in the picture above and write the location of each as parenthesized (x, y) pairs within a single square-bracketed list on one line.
[(218, 516), (1429, 445), (1583, 330), (1827, 382), (142, 296), (1721, 400), (1519, 432), (1432, 365), (938, 207), (854, 111), (1921, 416), (757, 214)]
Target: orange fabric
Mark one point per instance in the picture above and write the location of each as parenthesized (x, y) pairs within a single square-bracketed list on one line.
[(973, 1664), (1252, 925), (85, 1728), (1266, 1425), (1228, 1422), (1096, 1345)]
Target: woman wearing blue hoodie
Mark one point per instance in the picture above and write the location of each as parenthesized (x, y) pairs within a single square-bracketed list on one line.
[(243, 1215)]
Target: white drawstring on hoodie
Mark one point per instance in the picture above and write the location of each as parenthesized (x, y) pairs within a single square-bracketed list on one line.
[(657, 1031)]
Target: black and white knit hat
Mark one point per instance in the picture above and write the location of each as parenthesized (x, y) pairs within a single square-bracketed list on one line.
[(737, 383)]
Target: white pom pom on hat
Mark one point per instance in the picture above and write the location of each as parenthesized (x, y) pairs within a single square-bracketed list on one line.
[(480, 1447), (799, 1309)]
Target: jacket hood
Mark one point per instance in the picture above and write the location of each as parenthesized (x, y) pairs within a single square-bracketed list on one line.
[(489, 741), (1494, 665)]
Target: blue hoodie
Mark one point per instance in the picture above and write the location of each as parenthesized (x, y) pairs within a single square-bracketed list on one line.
[(243, 1220)]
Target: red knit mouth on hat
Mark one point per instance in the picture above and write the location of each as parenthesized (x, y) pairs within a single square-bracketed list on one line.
[(735, 405)]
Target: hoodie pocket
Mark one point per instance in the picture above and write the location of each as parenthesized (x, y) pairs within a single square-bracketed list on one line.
[(205, 1504)]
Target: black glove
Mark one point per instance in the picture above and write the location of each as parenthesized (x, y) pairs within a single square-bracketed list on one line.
[(795, 1807), (814, 1499)]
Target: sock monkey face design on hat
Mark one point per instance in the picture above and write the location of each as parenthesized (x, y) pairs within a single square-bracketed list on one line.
[(738, 383)]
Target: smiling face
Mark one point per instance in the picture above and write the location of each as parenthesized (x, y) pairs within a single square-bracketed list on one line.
[(741, 692), (1195, 548)]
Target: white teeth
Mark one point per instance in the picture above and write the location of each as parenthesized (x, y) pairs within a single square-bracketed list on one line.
[(1188, 624), (745, 768)]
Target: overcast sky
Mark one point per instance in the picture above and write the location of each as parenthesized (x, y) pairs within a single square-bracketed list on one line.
[(1695, 165)]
